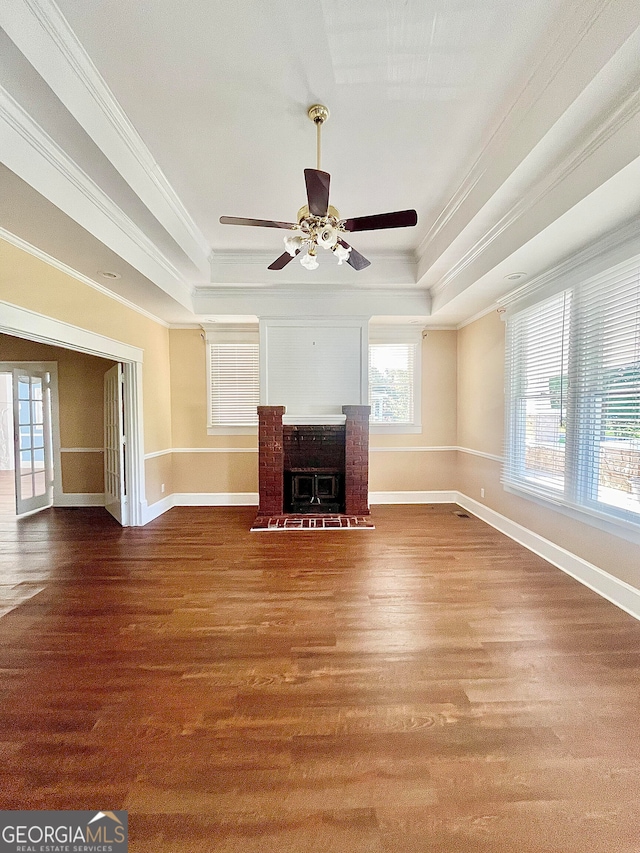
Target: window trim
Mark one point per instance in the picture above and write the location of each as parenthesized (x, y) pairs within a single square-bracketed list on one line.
[(616, 521), (398, 334)]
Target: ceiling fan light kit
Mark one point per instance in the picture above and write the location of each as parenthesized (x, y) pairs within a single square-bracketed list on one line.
[(319, 223)]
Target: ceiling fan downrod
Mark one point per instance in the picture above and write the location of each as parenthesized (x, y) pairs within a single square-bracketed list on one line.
[(318, 115)]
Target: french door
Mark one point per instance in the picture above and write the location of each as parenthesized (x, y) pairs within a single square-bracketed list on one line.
[(115, 496), (32, 440)]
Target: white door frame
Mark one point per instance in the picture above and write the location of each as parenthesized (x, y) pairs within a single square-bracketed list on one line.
[(23, 323), (50, 367), (115, 496)]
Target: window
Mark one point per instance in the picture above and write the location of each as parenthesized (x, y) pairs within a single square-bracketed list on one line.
[(394, 379), (573, 397), (233, 377)]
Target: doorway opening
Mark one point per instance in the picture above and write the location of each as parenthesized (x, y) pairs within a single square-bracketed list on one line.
[(40, 329)]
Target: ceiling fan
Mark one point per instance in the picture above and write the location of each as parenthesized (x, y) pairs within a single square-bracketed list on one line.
[(319, 223)]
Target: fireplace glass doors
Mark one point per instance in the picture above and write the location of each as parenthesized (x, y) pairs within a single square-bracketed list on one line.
[(314, 491)]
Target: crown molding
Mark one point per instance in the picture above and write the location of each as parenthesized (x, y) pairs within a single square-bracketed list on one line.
[(19, 243), (34, 156), (442, 327), (544, 72), (43, 35), (617, 247), (480, 314), (621, 112), (295, 300), (247, 269), (264, 258)]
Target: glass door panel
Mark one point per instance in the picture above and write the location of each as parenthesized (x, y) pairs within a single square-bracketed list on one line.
[(33, 441)]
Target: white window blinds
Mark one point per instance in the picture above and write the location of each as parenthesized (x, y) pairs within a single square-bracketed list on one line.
[(233, 378), (537, 364), (606, 401), (573, 397)]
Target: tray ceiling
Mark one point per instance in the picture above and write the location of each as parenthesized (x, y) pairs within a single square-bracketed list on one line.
[(495, 119)]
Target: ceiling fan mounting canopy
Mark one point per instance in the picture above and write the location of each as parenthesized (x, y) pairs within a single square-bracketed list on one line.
[(318, 113), (319, 223)]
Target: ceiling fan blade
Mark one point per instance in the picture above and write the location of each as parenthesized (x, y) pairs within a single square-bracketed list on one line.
[(282, 261), (355, 259), (317, 191), (261, 223), (398, 219)]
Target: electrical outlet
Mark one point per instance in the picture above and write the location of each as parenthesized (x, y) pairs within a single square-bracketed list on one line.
[(162, 488), (481, 493)]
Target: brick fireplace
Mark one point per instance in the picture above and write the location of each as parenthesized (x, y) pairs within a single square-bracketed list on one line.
[(315, 468)]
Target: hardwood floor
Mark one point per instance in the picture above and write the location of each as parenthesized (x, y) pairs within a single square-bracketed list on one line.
[(427, 687)]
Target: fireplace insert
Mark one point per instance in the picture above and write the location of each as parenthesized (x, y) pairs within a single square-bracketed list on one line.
[(314, 490)]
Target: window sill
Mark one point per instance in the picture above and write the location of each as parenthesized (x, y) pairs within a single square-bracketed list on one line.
[(232, 430)]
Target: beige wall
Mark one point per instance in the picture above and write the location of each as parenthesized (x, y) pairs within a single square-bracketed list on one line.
[(481, 428), (197, 472), (425, 469), (221, 473), (420, 470), (158, 472), (400, 471), (189, 395), (480, 387), (80, 398), (30, 283)]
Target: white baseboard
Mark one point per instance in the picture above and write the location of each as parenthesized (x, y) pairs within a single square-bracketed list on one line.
[(618, 592), (435, 497), (156, 509), (151, 511), (69, 499), (217, 499)]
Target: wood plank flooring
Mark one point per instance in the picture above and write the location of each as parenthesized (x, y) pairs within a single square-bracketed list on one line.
[(427, 687)]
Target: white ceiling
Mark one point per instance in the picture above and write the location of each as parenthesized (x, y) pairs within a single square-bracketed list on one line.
[(510, 125)]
